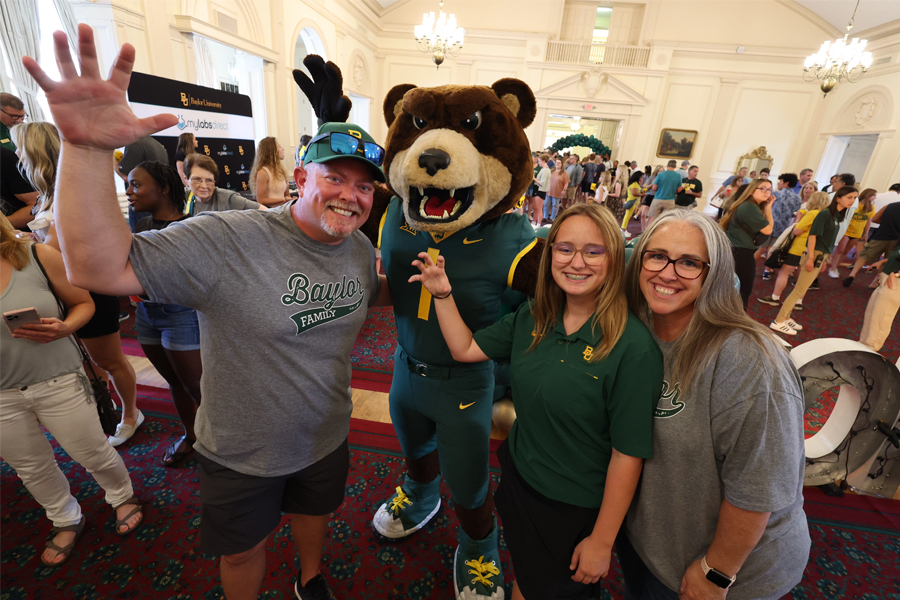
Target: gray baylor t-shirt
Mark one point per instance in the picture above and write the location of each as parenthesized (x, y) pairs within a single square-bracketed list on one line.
[(279, 314), (738, 435)]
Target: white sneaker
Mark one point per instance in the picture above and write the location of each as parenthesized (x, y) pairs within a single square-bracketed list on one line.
[(782, 328), (793, 324), (124, 432), (834, 274), (627, 234)]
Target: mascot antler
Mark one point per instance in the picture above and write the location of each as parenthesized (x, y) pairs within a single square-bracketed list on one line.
[(325, 90)]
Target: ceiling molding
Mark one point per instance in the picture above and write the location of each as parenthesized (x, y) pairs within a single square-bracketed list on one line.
[(812, 18), (192, 25)]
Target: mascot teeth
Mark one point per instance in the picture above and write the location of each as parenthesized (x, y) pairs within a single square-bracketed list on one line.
[(436, 204)]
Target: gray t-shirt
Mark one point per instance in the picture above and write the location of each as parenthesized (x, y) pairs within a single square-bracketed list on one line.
[(223, 200), (737, 435), (279, 315), (144, 149)]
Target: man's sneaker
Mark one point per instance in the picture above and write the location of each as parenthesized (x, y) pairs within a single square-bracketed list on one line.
[(815, 284), (315, 589), (409, 510), (793, 324), (767, 275), (782, 328), (769, 300), (123, 316), (848, 282), (477, 574), (834, 274), (799, 305)]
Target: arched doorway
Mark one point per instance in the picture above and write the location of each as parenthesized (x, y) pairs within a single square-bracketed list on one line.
[(308, 42)]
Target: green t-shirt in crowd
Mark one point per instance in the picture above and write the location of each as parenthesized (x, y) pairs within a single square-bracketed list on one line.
[(5, 138), (571, 413), (825, 229), (746, 222)]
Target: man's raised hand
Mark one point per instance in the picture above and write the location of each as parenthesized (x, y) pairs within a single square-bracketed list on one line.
[(88, 110)]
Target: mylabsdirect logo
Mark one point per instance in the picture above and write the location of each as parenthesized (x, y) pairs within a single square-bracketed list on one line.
[(224, 151), (198, 124), (668, 405), (303, 292)]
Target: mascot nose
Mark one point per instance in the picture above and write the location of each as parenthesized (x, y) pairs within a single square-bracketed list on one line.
[(433, 160)]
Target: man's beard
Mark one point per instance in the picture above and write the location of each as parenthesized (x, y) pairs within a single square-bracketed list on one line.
[(323, 221)]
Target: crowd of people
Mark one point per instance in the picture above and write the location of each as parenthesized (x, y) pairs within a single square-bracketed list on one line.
[(646, 352)]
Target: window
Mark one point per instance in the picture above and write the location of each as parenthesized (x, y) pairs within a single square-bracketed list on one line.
[(601, 24)]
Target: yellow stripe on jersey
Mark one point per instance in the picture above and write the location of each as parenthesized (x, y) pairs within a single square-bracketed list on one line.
[(512, 268), (381, 226), (425, 296)]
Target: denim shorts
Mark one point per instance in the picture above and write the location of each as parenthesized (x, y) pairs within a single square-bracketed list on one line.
[(173, 326)]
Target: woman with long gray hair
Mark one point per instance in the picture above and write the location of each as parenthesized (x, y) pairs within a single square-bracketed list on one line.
[(720, 504)]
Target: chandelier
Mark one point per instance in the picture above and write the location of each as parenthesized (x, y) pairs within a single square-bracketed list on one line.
[(440, 36), (838, 60)]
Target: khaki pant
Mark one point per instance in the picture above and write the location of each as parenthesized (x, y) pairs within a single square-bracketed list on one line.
[(880, 313), (804, 280), (570, 192), (659, 206)]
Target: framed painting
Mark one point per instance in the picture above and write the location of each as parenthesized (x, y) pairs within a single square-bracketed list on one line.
[(676, 143)]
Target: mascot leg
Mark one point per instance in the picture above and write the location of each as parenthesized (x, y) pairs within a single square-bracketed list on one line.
[(477, 573), (417, 500)]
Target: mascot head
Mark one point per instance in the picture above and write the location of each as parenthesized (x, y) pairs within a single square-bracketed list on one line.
[(457, 155)]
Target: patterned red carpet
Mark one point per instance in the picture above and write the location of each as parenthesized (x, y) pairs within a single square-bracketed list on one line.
[(856, 540)]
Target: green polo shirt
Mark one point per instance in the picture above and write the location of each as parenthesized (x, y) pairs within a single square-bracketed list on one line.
[(571, 413), (893, 263), (747, 216), (5, 138), (825, 228)]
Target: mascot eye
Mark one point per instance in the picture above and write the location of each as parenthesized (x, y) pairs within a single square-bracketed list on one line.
[(419, 123), (473, 122)]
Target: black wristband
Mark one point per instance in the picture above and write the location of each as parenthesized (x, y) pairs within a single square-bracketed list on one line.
[(444, 297)]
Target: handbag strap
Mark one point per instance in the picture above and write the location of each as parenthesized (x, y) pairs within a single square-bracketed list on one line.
[(64, 311)]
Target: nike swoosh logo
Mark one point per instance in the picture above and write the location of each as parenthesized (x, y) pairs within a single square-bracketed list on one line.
[(465, 406), (468, 241)]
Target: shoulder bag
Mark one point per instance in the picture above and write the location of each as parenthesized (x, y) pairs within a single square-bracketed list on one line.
[(106, 410)]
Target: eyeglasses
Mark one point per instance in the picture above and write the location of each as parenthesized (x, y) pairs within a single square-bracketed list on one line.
[(21, 117), (768, 190), (198, 181), (686, 268), (592, 254), (346, 144)]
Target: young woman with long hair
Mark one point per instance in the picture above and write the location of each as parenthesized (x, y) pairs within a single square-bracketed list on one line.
[(186, 146), (42, 383), (644, 212), (748, 217), (857, 231), (585, 378), (169, 334), (559, 183), (268, 177), (602, 190), (541, 187), (804, 218), (723, 492), (38, 149), (614, 200), (819, 243)]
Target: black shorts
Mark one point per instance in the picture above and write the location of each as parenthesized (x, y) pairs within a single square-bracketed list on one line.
[(585, 186), (648, 199), (541, 534), (105, 320), (238, 511), (540, 194), (791, 260)]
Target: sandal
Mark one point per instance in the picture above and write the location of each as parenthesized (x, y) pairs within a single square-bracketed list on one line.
[(124, 522), (64, 551), (173, 456)]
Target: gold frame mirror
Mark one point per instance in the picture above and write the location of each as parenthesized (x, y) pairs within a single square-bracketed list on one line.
[(754, 160)]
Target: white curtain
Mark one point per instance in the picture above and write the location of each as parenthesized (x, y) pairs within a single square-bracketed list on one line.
[(20, 36), (206, 66), (69, 23)]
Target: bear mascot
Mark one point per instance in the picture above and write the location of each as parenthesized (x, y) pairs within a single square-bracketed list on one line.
[(456, 160)]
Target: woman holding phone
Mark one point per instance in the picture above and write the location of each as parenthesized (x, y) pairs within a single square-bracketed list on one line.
[(42, 383), (586, 376)]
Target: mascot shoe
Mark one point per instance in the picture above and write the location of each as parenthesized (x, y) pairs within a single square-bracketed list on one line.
[(477, 574), (409, 510)]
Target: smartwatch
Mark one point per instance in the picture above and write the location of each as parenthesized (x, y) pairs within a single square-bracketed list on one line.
[(717, 577)]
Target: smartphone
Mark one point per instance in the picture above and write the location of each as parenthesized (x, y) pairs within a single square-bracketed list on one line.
[(24, 316)]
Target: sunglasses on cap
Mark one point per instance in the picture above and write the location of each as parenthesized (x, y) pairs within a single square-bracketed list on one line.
[(346, 144)]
